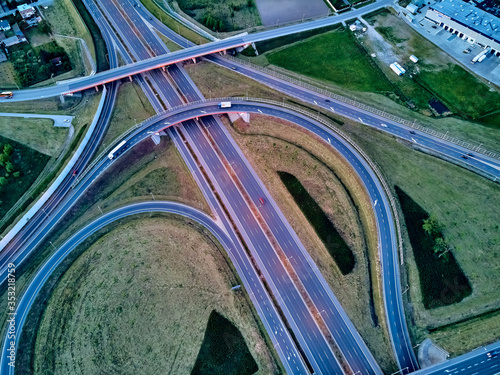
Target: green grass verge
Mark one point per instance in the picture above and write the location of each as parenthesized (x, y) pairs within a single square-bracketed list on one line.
[(100, 46), (223, 350), (456, 87), (334, 243), (270, 44), (442, 281), (171, 23), (333, 57), (29, 163)]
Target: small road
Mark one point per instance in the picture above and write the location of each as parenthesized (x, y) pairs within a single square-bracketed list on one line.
[(59, 120)]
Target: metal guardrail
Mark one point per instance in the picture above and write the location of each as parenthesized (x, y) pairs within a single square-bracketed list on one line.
[(366, 108)]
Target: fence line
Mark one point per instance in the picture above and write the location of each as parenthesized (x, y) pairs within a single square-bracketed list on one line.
[(366, 108)]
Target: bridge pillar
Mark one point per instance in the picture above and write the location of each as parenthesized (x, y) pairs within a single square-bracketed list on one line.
[(164, 69), (62, 98), (97, 88), (245, 116), (194, 60), (130, 78)]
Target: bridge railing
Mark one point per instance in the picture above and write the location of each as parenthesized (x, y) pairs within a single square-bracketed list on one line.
[(367, 108)]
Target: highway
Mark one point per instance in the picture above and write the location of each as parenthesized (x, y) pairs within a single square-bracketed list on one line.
[(202, 109), (250, 279), (283, 232), (185, 54)]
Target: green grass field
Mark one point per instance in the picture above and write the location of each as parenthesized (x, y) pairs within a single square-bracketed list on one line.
[(332, 57), (131, 108), (29, 163), (442, 282), (170, 22), (28, 132), (334, 243), (138, 296), (222, 15)]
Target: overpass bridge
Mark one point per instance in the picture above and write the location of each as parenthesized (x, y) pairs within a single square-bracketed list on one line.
[(68, 87)]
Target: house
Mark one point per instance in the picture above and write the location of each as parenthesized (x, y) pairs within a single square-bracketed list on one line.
[(13, 40), (3, 56), (26, 11), (33, 21), (18, 32), (414, 58), (4, 25)]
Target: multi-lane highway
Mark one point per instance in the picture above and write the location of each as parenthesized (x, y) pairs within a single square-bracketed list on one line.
[(293, 363), (185, 54)]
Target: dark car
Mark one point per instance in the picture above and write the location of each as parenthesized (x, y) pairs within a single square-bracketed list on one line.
[(261, 200), (412, 132), (470, 154), (465, 156), (327, 100), (75, 172)]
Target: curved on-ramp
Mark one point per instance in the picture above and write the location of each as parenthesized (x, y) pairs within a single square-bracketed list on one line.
[(385, 223)]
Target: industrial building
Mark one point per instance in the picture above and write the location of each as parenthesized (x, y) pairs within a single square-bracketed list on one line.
[(467, 21)]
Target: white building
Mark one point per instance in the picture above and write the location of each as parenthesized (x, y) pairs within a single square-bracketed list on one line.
[(398, 69), (26, 11), (468, 22)]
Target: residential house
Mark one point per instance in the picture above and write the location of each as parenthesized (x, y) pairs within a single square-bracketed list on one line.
[(26, 11), (4, 25)]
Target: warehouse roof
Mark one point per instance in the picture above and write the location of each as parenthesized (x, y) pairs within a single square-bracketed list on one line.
[(470, 16)]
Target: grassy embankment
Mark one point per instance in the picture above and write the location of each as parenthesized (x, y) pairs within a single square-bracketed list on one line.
[(171, 23), (28, 162), (82, 108), (107, 312), (222, 15), (132, 107), (333, 241), (442, 282), (448, 191), (369, 80)]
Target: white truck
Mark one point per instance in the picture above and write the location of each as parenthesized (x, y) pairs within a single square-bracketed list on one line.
[(225, 105), (481, 56)]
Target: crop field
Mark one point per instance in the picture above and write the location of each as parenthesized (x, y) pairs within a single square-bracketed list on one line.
[(117, 307), (222, 15)]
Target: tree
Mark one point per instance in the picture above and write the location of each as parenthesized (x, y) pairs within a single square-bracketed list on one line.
[(17, 174), (8, 149), (4, 159), (3, 181), (432, 227), (10, 167)]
